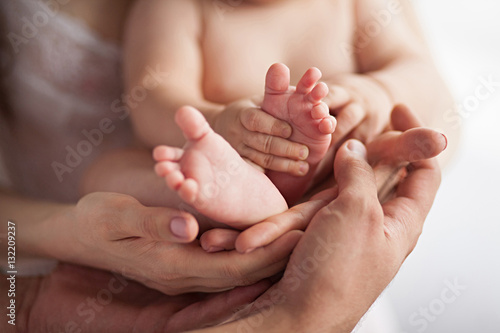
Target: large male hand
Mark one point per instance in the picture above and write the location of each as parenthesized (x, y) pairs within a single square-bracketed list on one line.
[(389, 154), (349, 253), (79, 299)]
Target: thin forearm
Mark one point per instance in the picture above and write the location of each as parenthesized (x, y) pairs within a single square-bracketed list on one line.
[(416, 83), (131, 172), (154, 117), (34, 223)]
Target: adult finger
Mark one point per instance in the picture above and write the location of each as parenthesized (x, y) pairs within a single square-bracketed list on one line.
[(215, 240), (162, 224), (357, 189), (221, 271), (347, 119), (277, 146), (413, 145), (257, 120), (368, 129), (265, 232), (337, 97), (403, 119), (275, 163), (352, 170), (235, 269), (406, 213)]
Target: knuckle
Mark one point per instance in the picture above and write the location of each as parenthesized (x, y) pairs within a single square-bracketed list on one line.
[(291, 149), (287, 166), (105, 212), (148, 226), (359, 167), (169, 279), (276, 127), (267, 161), (233, 272), (268, 143), (353, 197), (250, 119)]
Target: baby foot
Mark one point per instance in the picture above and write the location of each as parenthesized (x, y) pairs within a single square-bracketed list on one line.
[(303, 109), (212, 177)]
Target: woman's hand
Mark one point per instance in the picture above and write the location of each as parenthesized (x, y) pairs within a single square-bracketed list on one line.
[(155, 246), (260, 138), (361, 105)]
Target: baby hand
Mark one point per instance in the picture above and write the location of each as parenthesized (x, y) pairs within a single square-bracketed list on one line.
[(261, 138), (361, 105)]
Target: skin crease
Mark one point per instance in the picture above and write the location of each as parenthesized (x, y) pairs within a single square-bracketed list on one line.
[(134, 238), (404, 218), (366, 255), (363, 87), (115, 34), (203, 77)]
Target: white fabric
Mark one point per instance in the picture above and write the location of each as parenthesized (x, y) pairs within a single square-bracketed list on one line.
[(64, 80)]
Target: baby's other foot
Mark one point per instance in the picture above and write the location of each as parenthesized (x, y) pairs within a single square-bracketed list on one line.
[(301, 107), (212, 177), (312, 124)]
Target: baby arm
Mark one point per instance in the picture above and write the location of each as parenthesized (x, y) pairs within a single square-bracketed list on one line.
[(163, 54), (395, 67)]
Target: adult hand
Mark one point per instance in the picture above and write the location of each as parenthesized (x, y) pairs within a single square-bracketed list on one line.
[(351, 250), (260, 137), (150, 245), (389, 154), (78, 299), (360, 104)]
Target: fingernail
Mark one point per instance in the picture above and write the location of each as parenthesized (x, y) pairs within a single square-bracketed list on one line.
[(303, 168), (304, 152), (357, 147), (250, 250), (445, 141), (178, 226), (213, 249)]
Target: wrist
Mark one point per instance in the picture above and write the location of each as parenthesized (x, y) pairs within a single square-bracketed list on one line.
[(52, 238), (378, 81)]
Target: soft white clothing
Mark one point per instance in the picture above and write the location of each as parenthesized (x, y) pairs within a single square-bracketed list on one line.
[(64, 80)]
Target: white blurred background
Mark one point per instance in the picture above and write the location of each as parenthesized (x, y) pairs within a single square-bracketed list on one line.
[(451, 282)]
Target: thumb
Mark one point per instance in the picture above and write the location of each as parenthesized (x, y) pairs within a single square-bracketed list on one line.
[(352, 171), (162, 224)]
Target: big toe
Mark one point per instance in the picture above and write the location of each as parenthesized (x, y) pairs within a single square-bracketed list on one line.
[(192, 123), (277, 79)]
